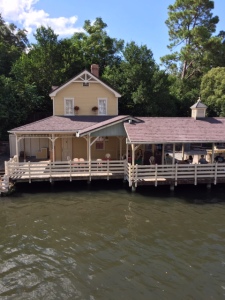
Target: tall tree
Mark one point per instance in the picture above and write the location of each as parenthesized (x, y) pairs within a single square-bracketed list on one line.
[(13, 42), (96, 46), (191, 25), (143, 86)]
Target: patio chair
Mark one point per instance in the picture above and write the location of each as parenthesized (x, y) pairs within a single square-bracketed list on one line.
[(99, 163), (81, 163), (152, 160), (75, 163)]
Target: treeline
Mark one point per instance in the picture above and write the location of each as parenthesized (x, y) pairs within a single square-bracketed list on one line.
[(28, 71)]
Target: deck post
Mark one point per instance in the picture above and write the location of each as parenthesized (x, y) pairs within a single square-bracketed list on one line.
[(70, 170), (136, 174), (29, 171), (195, 174), (215, 179), (172, 187), (133, 188), (176, 167), (50, 171), (156, 171), (107, 169)]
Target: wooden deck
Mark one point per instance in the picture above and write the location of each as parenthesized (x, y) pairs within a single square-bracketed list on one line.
[(135, 175)]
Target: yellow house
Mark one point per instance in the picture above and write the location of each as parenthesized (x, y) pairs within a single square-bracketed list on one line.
[(84, 103)]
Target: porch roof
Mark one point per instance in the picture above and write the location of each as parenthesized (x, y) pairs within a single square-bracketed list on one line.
[(161, 130), (57, 124)]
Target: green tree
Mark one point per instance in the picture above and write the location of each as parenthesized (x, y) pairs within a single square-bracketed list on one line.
[(13, 42), (191, 25), (95, 46), (17, 103), (213, 91), (143, 86)]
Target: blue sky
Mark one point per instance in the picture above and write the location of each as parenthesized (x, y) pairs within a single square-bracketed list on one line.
[(142, 22)]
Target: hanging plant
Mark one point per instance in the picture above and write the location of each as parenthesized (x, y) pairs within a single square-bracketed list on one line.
[(76, 107), (94, 108)]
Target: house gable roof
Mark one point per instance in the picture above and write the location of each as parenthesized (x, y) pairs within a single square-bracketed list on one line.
[(84, 77)]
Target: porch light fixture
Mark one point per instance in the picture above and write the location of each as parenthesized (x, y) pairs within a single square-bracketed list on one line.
[(76, 108), (94, 108)]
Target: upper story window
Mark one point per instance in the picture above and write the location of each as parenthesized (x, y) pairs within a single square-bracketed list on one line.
[(69, 106), (102, 106)]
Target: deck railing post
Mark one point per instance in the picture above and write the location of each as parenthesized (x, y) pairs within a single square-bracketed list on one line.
[(29, 171), (215, 178), (89, 166), (124, 169), (70, 170), (176, 169), (196, 174), (50, 171), (107, 169), (156, 174), (136, 174)]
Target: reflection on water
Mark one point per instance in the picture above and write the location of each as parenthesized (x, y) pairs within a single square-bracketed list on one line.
[(101, 241)]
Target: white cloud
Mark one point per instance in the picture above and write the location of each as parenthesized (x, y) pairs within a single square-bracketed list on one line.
[(23, 12)]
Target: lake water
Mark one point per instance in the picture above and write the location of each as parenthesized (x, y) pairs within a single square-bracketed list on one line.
[(101, 241)]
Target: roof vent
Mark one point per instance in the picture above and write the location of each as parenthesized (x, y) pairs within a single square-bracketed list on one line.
[(198, 110)]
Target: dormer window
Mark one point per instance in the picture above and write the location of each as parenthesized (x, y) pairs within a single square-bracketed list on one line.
[(68, 106)]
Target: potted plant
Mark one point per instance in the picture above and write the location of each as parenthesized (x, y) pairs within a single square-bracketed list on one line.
[(76, 108), (95, 108)]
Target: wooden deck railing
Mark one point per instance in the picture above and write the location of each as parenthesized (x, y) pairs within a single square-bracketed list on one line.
[(177, 172), (114, 169), (64, 169)]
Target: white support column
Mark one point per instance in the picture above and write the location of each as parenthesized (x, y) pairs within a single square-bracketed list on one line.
[(182, 151), (17, 151), (163, 154), (132, 149), (213, 153), (173, 154)]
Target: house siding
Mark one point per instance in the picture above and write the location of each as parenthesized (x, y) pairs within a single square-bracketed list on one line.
[(85, 98)]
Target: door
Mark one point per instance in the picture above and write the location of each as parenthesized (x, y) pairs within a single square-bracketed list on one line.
[(66, 149)]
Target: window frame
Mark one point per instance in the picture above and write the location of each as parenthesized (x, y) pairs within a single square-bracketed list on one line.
[(65, 113), (102, 114)]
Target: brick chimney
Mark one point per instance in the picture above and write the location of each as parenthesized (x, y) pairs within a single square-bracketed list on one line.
[(95, 70)]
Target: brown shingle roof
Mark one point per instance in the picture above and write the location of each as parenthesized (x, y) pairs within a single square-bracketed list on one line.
[(62, 124), (168, 130)]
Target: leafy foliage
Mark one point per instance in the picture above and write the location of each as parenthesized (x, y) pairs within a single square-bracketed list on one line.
[(213, 91)]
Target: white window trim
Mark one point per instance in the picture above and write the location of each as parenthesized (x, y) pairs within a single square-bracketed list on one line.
[(65, 114), (106, 106)]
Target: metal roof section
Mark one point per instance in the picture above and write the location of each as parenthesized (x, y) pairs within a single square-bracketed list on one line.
[(84, 77)]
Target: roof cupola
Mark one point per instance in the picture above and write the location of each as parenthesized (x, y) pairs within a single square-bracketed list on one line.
[(198, 110)]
